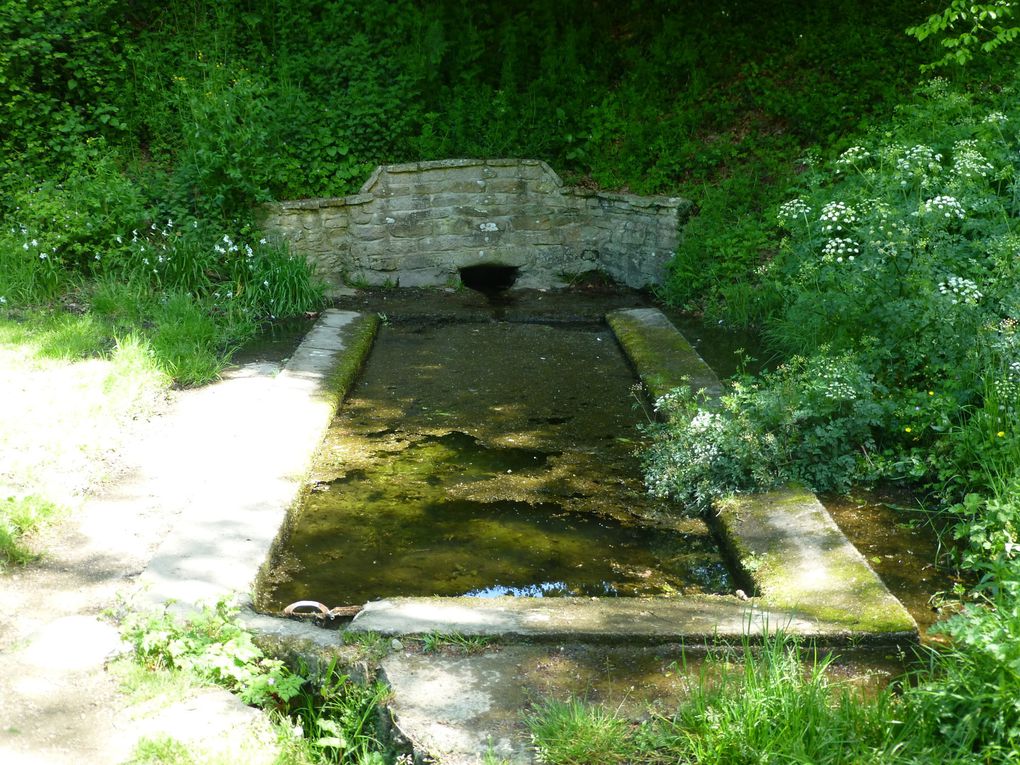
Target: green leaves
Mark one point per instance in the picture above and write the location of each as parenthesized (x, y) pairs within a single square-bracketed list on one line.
[(984, 28)]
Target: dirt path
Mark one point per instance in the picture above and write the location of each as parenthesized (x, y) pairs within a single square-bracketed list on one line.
[(58, 703)]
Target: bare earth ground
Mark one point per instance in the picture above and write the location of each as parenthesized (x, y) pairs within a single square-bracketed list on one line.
[(101, 456)]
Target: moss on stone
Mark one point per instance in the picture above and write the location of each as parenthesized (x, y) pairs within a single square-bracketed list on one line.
[(798, 560), (358, 337), (661, 355)]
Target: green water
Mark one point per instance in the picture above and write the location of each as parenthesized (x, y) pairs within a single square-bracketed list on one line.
[(488, 459)]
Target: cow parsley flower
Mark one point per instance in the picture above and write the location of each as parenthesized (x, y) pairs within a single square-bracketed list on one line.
[(960, 290), (840, 248), (944, 206), (852, 157), (836, 216), (792, 210)]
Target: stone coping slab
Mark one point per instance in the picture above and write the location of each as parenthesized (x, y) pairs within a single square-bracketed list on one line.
[(661, 355), (693, 618), (784, 542), (798, 559), (236, 464)]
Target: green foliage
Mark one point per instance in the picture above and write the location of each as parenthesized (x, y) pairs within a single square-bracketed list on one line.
[(575, 733), (984, 27), (969, 698), (213, 647), (20, 516), (768, 707), (341, 721), (805, 422), (62, 69), (907, 239), (335, 719)]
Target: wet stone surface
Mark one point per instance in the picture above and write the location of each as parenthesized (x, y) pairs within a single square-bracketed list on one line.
[(488, 459)]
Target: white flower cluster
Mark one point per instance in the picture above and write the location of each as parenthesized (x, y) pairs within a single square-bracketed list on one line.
[(1007, 388), (836, 215), (960, 290), (995, 118), (968, 162), (792, 210), (705, 422), (944, 206), (840, 248), (852, 157), (919, 160), (837, 389)]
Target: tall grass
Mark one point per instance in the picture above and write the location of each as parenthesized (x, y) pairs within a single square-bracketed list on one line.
[(778, 703)]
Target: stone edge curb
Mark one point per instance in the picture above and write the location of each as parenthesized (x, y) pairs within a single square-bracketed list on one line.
[(317, 376)]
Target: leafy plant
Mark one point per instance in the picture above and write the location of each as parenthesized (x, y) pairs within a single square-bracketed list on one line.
[(340, 719), (985, 27), (214, 647)]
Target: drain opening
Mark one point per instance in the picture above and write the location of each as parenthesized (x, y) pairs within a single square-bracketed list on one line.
[(489, 278)]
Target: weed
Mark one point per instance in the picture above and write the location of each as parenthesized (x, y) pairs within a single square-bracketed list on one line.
[(436, 641), (163, 750), (340, 719), (575, 733), (20, 516)]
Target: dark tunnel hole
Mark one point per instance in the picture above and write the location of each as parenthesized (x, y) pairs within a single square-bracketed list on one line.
[(489, 278)]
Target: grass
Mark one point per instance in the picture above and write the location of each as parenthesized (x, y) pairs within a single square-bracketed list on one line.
[(436, 641), (575, 733), (19, 517), (773, 704), (69, 393)]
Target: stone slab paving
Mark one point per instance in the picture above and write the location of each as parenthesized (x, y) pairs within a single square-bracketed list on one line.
[(237, 470), (662, 357), (629, 621), (799, 561), (462, 708)]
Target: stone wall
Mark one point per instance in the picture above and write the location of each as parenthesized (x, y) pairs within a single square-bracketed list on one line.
[(417, 224)]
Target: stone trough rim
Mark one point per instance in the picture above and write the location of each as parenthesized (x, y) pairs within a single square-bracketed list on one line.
[(771, 618)]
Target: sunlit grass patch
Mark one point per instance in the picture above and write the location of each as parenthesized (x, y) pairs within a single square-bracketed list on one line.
[(19, 517), (68, 391)]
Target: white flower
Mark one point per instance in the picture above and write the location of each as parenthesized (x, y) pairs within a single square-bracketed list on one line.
[(265, 283), (43, 256), (968, 162), (852, 156), (836, 215), (263, 241), (841, 247), (944, 206), (3, 300), (792, 210), (995, 118), (960, 290)]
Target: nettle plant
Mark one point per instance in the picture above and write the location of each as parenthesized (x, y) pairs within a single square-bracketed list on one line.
[(897, 278)]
